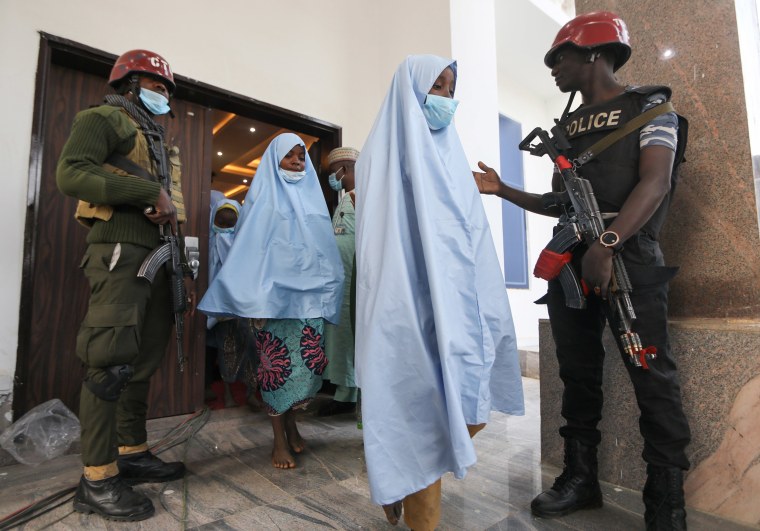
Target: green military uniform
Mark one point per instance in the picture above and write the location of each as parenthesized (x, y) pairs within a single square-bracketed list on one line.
[(129, 319)]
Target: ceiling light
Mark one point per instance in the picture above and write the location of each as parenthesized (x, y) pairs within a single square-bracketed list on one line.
[(245, 181), (219, 153), (252, 129)]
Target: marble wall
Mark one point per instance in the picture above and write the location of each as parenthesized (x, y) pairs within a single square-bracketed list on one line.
[(712, 234)]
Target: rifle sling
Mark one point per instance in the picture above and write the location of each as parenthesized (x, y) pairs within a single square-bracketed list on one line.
[(617, 134), (123, 163)]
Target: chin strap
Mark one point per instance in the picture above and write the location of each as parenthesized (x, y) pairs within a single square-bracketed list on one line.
[(566, 112)]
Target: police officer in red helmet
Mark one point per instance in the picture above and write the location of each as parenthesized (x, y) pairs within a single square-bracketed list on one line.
[(127, 180), (632, 180)]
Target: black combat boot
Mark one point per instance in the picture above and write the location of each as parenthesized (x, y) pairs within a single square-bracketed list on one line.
[(663, 499), (576, 488), (113, 499), (144, 467)]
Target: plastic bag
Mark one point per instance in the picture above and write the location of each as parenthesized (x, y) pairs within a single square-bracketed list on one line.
[(44, 432)]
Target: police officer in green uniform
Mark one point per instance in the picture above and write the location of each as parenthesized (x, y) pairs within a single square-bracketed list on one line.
[(112, 163), (631, 180)]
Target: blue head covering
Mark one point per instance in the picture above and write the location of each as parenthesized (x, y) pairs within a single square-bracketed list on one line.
[(219, 242), (435, 342), (284, 261)]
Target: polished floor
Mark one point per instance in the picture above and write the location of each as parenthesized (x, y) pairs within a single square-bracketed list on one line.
[(232, 485)]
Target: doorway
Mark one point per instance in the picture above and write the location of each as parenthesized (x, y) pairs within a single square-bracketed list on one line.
[(71, 77)]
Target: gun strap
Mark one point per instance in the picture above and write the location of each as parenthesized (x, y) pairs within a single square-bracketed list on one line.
[(123, 163), (630, 126)]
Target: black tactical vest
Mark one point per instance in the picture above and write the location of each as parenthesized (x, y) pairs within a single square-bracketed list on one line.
[(615, 171)]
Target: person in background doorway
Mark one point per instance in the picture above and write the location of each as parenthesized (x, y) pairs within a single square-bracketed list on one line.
[(631, 180), (435, 342), (284, 272), (116, 163), (233, 338), (339, 339)]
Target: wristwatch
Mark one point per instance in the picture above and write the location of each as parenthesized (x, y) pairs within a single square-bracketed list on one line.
[(611, 240)]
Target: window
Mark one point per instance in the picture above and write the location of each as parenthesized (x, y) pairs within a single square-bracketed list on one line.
[(513, 217)]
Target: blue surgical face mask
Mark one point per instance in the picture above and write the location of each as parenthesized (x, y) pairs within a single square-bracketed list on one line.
[(292, 176), (155, 103), (225, 230), (439, 111), (335, 183)]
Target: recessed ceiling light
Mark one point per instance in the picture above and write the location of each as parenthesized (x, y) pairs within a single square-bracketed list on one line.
[(219, 153), (252, 129), (245, 181)]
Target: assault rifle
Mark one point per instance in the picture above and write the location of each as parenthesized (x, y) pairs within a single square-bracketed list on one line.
[(582, 221), (169, 254)]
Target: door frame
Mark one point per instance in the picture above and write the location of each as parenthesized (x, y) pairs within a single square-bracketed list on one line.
[(70, 54)]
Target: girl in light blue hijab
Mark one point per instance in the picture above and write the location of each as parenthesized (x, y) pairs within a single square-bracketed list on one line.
[(435, 342), (231, 337), (284, 272)]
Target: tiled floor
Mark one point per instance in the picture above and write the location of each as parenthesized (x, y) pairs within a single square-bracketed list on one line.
[(232, 484)]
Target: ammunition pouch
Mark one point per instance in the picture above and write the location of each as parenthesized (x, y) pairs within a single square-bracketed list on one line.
[(115, 380)]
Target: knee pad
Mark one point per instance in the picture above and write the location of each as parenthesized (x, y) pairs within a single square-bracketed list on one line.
[(114, 382)]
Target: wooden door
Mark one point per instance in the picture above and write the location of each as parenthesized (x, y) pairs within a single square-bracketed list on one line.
[(54, 290)]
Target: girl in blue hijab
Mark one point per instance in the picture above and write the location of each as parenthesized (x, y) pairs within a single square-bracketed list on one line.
[(284, 272), (231, 337), (435, 342)]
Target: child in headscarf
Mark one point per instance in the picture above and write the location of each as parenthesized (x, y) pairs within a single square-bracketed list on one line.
[(435, 342), (233, 338), (283, 271)]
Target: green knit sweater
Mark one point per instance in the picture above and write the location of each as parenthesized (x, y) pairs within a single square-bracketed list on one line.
[(95, 135)]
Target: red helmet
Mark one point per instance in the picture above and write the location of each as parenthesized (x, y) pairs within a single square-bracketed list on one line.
[(592, 30), (141, 61)]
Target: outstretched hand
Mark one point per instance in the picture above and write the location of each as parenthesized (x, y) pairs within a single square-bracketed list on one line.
[(488, 182)]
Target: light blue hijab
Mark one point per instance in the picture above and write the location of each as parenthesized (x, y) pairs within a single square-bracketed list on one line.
[(219, 242), (435, 342), (284, 262)]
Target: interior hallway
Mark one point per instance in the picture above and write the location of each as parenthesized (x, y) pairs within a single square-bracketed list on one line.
[(232, 485)]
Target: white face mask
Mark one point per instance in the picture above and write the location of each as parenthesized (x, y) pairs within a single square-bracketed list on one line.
[(292, 176)]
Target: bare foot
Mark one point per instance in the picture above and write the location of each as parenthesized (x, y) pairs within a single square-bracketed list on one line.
[(295, 441), (393, 512), (282, 458)]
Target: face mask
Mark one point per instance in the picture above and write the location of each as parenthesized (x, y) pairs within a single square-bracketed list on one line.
[(438, 111), (155, 103), (335, 183), (292, 176), (220, 230)]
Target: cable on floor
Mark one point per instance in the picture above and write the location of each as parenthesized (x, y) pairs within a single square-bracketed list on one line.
[(183, 432)]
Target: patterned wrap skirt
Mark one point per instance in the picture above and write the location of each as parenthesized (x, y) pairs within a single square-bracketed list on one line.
[(291, 361)]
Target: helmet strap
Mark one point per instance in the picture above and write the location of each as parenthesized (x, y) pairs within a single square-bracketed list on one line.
[(566, 112)]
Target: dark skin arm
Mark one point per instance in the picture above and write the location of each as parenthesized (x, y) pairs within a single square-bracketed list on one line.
[(655, 164), (489, 183), (164, 211)]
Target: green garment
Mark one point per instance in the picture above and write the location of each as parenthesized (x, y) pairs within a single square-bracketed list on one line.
[(339, 340), (129, 320), (95, 135)]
